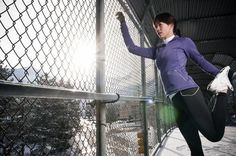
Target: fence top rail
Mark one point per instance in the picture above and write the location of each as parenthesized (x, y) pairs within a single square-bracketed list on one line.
[(9, 89)]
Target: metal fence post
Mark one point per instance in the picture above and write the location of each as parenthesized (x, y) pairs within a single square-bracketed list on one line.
[(100, 79), (157, 108), (143, 74)]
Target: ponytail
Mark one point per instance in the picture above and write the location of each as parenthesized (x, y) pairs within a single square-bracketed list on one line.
[(177, 32)]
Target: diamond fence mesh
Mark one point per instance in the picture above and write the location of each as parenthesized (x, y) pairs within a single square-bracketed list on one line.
[(123, 75), (53, 43)]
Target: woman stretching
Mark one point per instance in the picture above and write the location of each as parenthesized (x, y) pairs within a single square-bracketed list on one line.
[(171, 56)]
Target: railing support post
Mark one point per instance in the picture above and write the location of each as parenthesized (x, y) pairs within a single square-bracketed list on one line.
[(157, 108), (100, 79), (143, 79)]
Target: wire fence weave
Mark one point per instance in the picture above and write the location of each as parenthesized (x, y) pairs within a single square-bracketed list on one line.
[(53, 43)]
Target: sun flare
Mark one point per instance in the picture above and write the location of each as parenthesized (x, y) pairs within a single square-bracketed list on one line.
[(84, 58)]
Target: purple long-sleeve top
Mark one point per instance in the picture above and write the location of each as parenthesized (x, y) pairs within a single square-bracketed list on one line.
[(171, 60)]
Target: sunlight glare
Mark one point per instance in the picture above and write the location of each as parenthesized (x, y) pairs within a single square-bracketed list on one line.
[(84, 58)]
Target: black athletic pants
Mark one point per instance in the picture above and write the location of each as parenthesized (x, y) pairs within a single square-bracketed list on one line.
[(193, 114)]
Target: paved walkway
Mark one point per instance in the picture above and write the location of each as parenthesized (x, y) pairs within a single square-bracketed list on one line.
[(175, 145)]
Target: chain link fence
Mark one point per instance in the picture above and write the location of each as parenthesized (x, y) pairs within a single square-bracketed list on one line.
[(123, 76), (53, 43)]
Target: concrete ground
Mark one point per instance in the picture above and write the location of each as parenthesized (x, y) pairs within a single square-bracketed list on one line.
[(175, 145)]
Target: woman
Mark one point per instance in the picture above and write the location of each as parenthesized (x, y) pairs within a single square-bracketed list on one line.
[(171, 57)]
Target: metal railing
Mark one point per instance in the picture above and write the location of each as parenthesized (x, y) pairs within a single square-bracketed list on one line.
[(158, 113), (68, 84)]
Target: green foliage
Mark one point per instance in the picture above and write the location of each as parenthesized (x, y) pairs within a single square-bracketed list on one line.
[(11, 117), (53, 120), (5, 73), (46, 126)]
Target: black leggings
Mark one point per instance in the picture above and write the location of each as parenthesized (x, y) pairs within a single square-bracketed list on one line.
[(193, 114)]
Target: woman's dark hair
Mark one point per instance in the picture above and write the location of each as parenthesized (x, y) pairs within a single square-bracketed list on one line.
[(168, 19)]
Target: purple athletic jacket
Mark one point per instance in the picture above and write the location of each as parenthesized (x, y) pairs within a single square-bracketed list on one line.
[(171, 60)]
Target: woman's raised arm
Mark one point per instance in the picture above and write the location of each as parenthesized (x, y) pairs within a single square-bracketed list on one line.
[(144, 52)]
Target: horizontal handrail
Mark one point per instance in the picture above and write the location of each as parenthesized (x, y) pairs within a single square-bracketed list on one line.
[(9, 89)]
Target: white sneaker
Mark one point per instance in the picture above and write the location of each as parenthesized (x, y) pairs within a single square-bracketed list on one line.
[(221, 83)]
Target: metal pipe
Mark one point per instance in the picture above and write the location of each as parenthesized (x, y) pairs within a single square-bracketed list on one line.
[(158, 121), (9, 89), (143, 77), (100, 79)]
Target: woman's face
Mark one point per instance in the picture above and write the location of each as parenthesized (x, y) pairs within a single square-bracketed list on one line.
[(164, 30)]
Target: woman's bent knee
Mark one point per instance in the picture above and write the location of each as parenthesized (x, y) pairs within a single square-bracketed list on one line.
[(215, 138)]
